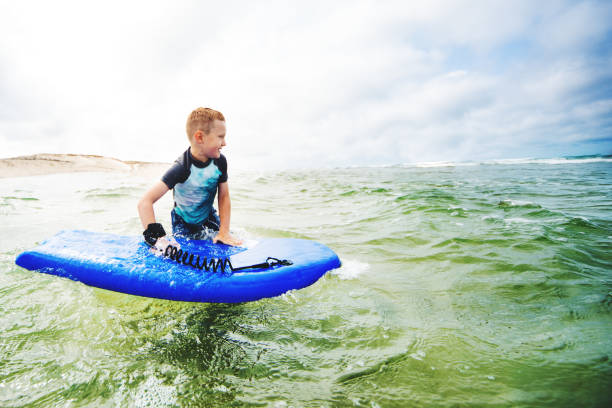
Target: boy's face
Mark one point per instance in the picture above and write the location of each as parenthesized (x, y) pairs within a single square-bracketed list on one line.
[(211, 144)]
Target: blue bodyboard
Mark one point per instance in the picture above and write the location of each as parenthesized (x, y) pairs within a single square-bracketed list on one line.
[(125, 264)]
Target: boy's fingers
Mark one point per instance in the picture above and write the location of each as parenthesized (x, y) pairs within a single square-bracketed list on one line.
[(227, 241)]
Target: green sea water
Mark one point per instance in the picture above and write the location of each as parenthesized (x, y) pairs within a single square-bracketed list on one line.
[(482, 284)]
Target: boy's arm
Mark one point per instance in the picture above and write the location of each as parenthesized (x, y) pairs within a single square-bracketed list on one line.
[(145, 205), (153, 231), (225, 211)]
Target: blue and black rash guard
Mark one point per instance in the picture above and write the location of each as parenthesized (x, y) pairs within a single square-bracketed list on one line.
[(195, 185)]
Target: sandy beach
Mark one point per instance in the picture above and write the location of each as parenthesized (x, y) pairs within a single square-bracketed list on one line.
[(46, 163)]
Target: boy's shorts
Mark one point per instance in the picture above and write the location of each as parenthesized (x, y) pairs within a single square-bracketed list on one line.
[(205, 231)]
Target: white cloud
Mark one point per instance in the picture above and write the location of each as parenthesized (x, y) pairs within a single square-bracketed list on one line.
[(305, 84), (573, 26)]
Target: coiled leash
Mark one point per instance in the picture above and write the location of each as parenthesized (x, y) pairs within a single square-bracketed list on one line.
[(186, 258), (156, 230)]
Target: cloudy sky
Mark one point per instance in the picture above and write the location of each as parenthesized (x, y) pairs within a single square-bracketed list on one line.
[(308, 83)]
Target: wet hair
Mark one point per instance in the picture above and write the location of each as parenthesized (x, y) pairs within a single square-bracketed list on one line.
[(202, 119)]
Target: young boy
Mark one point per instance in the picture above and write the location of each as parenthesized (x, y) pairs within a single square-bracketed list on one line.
[(195, 178)]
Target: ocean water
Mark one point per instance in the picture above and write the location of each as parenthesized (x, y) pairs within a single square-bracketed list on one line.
[(466, 284)]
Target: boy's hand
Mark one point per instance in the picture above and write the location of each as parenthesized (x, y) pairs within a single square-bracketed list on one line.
[(162, 243), (227, 239), (156, 238)]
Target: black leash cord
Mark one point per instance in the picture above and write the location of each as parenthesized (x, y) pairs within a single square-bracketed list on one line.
[(270, 262), (189, 259)]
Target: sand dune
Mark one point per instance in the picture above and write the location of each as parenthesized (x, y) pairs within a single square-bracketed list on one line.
[(46, 163)]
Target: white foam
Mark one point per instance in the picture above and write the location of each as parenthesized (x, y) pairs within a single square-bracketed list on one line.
[(289, 296), (435, 164), (518, 203), (350, 269), (153, 393), (440, 164), (560, 160), (527, 160), (519, 220), (418, 355)]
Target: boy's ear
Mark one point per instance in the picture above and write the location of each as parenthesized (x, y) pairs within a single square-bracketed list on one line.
[(198, 136)]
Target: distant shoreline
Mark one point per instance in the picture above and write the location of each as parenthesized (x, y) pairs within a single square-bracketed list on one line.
[(52, 163), (48, 163)]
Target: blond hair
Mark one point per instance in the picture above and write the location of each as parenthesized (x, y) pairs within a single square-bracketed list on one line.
[(201, 119)]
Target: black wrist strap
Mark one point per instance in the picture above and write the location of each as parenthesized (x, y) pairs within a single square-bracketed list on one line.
[(153, 232)]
